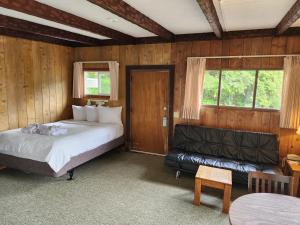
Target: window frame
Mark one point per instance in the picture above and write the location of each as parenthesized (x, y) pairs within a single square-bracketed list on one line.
[(95, 70), (253, 108)]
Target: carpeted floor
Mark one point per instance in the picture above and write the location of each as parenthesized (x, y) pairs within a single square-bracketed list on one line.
[(117, 188)]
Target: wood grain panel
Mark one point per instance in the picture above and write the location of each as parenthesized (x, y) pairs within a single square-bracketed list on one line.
[(58, 82), (45, 84), (215, 49), (3, 88), (10, 60), (27, 54), (20, 74), (67, 69), (31, 88), (52, 85), (236, 47), (38, 98), (278, 47), (267, 44), (252, 46)]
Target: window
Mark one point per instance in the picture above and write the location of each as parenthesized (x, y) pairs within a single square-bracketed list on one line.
[(269, 88), (211, 87), (97, 83), (237, 88), (243, 88)]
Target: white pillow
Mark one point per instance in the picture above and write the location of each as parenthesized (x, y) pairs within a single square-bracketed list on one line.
[(110, 114), (79, 112), (91, 113)]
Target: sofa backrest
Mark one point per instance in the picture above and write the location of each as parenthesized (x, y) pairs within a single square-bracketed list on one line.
[(261, 148)]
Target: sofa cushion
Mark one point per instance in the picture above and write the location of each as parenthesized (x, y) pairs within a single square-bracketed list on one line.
[(190, 162), (252, 147), (207, 160)]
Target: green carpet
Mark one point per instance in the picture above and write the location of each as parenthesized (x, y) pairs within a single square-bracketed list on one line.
[(117, 188)]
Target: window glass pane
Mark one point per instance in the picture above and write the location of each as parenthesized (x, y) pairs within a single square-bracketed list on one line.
[(91, 84), (104, 83), (237, 88), (211, 86), (269, 87)]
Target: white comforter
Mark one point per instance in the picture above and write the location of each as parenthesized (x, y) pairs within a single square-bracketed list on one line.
[(82, 136)]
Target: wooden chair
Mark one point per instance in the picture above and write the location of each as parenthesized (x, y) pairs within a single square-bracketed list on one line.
[(269, 183)]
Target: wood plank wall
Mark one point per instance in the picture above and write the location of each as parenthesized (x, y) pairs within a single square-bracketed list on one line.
[(176, 53), (35, 82), (125, 55), (36, 79)]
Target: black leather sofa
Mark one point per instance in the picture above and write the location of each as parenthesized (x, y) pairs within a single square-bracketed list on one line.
[(239, 151)]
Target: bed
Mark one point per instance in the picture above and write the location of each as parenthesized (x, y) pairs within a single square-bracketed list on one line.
[(57, 155)]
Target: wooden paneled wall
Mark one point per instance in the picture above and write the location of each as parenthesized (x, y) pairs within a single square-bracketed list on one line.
[(36, 79), (177, 53), (35, 82), (253, 120), (125, 55)]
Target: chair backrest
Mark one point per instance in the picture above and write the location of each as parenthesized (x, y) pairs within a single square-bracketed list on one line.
[(269, 183)]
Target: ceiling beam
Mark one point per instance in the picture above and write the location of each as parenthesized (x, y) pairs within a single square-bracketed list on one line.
[(209, 10), (36, 37), (294, 31), (34, 28), (292, 15), (44, 11), (127, 12)]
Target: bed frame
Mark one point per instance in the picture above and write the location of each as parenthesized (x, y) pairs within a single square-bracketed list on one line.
[(43, 168)]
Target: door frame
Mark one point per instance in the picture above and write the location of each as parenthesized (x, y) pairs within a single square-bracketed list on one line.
[(129, 70)]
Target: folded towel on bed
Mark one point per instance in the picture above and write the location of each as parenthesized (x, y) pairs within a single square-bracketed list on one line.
[(44, 130), (51, 130), (30, 129)]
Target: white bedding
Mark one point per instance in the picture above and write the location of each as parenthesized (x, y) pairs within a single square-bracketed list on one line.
[(57, 151)]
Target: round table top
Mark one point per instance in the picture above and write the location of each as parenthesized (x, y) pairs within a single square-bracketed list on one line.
[(265, 209)]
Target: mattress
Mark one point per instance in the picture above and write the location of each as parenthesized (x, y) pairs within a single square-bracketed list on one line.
[(82, 136)]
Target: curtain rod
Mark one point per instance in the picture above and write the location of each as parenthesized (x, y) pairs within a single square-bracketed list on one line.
[(242, 56), (96, 61)]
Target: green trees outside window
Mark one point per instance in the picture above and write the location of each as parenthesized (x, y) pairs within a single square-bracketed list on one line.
[(96, 83), (211, 87), (237, 88), (243, 88), (269, 89)]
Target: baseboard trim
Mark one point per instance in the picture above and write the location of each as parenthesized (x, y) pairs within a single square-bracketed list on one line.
[(148, 153)]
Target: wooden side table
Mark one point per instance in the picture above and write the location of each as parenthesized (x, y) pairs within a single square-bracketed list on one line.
[(215, 178), (293, 169)]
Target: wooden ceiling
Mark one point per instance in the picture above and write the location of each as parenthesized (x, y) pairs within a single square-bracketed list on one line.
[(19, 27), (129, 13)]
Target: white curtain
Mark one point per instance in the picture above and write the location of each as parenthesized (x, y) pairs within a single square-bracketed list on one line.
[(290, 106), (114, 80), (193, 88), (78, 80)]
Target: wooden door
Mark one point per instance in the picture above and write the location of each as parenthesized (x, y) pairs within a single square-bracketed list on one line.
[(149, 107)]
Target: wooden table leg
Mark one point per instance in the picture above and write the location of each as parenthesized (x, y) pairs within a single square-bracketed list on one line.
[(296, 185), (226, 198), (197, 193)]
